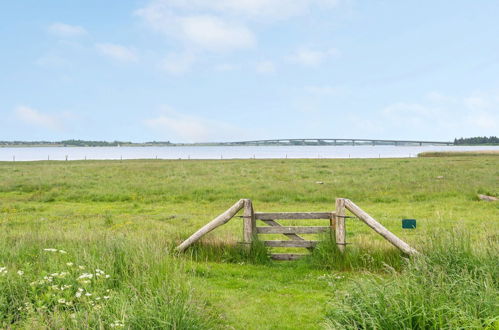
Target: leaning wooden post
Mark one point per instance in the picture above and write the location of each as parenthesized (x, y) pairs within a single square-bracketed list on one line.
[(340, 224), (379, 228), (249, 223), (218, 221)]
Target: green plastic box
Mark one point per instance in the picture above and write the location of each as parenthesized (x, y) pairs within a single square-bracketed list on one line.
[(409, 223)]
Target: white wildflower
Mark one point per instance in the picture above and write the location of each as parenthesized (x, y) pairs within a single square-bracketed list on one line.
[(50, 250), (85, 275), (81, 267), (78, 294), (69, 264), (117, 324), (62, 251), (20, 273), (107, 276), (61, 301), (3, 270), (106, 297), (88, 294)]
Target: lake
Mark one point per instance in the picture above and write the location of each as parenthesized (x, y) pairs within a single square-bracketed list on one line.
[(223, 152)]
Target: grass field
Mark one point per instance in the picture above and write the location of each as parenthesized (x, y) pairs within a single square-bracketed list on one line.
[(90, 244), (478, 153)]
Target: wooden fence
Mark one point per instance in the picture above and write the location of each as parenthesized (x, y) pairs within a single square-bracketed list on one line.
[(336, 226)]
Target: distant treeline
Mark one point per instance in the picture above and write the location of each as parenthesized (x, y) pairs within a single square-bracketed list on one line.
[(80, 143), (477, 140)]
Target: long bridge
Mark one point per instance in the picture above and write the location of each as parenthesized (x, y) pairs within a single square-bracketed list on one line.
[(333, 142)]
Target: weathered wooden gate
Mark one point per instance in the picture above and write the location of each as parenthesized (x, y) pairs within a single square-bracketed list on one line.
[(292, 232), (336, 227)]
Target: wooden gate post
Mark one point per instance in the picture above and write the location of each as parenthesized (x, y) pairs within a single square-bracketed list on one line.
[(249, 223), (340, 224)]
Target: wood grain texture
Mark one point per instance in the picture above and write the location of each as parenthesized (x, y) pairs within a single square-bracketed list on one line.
[(218, 221), (292, 230), (304, 244), (277, 224), (292, 215), (249, 224), (340, 231)]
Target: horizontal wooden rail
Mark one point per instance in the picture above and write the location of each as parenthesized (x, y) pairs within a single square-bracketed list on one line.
[(218, 221), (305, 244), (292, 230), (287, 256), (293, 215)]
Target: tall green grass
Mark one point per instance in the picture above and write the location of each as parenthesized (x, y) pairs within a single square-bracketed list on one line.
[(229, 252), (451, 286), (94, 282), (124, 218), (367, 256)]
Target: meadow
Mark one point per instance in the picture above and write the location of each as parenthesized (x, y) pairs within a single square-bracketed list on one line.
[(90, 244)]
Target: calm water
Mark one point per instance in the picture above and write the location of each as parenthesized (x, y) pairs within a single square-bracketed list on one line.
[(80, 153)]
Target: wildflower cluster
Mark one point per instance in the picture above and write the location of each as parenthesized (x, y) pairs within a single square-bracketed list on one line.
[(71, 289)]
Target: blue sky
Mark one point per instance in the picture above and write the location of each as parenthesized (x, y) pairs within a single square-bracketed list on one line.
[(220, 70)]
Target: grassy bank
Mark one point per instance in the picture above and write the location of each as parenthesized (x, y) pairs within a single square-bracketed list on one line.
[(483, 153), (123, 218)]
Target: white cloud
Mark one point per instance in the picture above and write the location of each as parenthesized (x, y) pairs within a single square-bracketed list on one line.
[(205, 32), (312, 57), (66, 30), (265, 67), (270, 9), (214, 34), (190, 128), (36, 118), (220, 25), (444, 116), (117, 52), (178, 63)]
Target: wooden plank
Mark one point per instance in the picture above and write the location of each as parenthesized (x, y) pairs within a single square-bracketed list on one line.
[(277, 224), (287, 256), (291, 230), (340, 232), (292, 215), (305, 244), (218, 221), (379, 228), (249, 223)]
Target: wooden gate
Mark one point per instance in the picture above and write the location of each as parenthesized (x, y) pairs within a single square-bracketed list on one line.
[(292, 232), (336, 226)]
